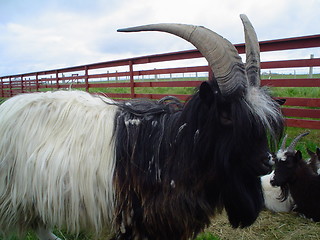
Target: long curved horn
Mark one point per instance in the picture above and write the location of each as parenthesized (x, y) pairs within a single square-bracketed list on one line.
[(283, 144), (295, 141), (252, 52), (223, 58)]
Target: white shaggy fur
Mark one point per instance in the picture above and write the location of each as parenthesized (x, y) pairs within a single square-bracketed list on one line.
[(262, 105), (56, 162), (272, 194)]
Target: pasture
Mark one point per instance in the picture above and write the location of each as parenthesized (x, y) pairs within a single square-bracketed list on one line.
[(268, 225)]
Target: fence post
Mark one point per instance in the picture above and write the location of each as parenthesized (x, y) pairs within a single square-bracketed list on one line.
[(86, 78), (57, 79), (2, 93), (311, 68), (10, 86), (21, 78), (37, 82), (131, 79), (155, 75)]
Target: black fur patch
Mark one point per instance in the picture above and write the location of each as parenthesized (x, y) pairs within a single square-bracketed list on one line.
[(176, 166)]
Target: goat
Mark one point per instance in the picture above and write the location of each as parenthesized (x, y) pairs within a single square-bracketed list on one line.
[(138, 168), (293, 175), (273, 196), (314, 161)]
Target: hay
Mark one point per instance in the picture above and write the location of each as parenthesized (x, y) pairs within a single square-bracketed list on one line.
[(269, 225)]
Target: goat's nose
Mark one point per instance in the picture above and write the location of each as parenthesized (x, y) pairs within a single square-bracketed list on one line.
[(270, 159)]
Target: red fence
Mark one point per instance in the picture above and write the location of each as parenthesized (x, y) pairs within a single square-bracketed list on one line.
[(124, 75)]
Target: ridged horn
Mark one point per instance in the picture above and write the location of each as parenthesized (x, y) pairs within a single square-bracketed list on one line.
[(295, 141), (223, 58), (283, 144), (252, 52)]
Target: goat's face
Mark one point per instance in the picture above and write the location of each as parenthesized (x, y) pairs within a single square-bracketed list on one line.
[(241, 136), (286, 164), (314, 162)]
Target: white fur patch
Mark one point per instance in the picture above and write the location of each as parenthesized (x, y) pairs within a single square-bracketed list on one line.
[(182, 127), (132, 122), (281, 155), (57, 161), (263, 107), (172, 184)]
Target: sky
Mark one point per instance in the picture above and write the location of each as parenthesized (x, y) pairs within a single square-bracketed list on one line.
[(37, 35)]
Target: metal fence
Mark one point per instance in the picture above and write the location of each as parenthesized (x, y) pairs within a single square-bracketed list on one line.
[(126, 77)]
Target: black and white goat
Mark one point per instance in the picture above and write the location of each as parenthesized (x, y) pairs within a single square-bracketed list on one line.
[(314, 161), (141, 169), (293, 175), (273, 196)]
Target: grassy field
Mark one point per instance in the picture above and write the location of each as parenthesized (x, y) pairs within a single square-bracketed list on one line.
[(268, 225)]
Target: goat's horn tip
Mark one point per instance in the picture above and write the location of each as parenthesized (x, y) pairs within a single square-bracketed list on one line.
[(122, 30), (129, 29), (243, 16)]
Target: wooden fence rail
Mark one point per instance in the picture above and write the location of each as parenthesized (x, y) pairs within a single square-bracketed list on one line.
[(123, 79)]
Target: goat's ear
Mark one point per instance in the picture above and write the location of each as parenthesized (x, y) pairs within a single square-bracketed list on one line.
[(318, 152), (310, 152), (206, 93), (209, 93), (298, 155)]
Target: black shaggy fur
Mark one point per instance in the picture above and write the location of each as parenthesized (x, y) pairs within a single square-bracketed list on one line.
[(294, 175), (177, 165)]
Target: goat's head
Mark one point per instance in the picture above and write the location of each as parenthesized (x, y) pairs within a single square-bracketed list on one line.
[(233, 82), (314, 162), (286, 163), (238, 115)]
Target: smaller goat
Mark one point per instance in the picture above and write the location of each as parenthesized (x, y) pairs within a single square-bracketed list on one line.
[(314, 161), (273, 197), (293, 175)]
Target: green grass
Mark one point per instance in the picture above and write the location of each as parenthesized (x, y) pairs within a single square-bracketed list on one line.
[(306, 92)]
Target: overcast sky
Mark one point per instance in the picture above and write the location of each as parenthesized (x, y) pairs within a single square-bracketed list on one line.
[(40, 35)]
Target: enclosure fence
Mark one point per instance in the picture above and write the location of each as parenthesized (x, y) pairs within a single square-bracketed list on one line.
[(159, 75)]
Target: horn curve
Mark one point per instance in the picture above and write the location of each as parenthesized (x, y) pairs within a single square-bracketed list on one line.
[(295, 141), (283, 144), (252, 52), (222, 56)]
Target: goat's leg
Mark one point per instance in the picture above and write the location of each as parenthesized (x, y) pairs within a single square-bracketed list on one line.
[(45, 234)]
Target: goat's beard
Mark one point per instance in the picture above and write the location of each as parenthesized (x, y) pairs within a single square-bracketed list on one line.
[(284, 192), (243, 200)]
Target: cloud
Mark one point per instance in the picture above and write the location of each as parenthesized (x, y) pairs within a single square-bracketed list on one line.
[(38, 35)]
